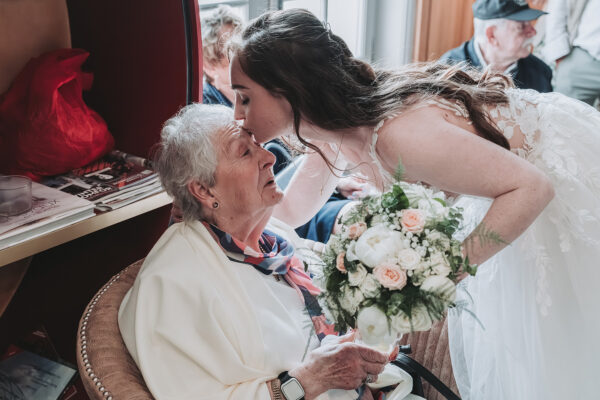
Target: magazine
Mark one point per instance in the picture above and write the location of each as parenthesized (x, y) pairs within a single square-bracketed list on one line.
[(51, 210), (122, 199), (113, 181), (37, 342), (81, 187), (28, 376), (117, 169)]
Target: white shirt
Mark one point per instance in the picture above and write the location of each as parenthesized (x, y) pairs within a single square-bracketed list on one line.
[(587, 36)]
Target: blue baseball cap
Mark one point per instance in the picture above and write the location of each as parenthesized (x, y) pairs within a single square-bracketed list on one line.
[(516, 10)]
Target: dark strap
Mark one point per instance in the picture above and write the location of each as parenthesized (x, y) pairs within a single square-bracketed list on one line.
[(417, 371)]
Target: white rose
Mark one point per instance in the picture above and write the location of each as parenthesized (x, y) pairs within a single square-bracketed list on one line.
[(370, 287), (441, 286), (377, 245), (372, 324), (439, 265), (350, 299), (408, 258), (418, 321), (355, 278)]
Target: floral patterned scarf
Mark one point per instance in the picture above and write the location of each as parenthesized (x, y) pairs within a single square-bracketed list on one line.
[(278, 258)]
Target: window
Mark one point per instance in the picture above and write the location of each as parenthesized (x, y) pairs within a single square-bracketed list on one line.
[(345, 17), (379, 31), (239, 7), (317, 7)]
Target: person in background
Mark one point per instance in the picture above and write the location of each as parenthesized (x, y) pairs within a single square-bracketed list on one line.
[(217, 28), (502, 40), (573, 40)]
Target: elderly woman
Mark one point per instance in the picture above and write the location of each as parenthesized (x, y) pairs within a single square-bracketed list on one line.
[(222, 307)]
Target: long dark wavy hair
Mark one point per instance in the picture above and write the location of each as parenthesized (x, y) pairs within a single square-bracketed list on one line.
[(293, 54)]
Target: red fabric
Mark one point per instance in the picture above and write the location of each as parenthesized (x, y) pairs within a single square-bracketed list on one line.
[(45, 127)]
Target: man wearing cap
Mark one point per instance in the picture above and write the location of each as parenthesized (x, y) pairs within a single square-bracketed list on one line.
[(502, 40)]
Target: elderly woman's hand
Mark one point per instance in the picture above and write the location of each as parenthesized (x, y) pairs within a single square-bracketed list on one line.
[(338, 366)]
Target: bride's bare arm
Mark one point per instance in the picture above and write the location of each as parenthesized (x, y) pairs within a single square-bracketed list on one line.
[(447, 156), (308, 190)]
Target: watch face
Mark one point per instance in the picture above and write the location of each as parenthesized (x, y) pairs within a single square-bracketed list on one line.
[(292, 390)]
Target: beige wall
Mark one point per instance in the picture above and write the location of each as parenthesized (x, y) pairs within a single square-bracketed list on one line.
[(29, 28), (441, 25)]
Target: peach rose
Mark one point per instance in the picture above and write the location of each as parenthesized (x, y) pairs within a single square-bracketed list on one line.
[(413, 220), (356, 229), (339, 262), (390, 276)]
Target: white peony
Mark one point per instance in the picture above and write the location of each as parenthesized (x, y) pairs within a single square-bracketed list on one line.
[(377, 245), (419, 320), (441, 286), (357, 277), (350, 299), (372, 324), (370, 287), (439, 265), (408, 258)]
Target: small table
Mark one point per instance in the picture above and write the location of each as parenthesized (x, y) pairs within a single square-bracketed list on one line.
[(14, 260)]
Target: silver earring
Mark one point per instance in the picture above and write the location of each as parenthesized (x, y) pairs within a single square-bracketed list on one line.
[(215, 205)]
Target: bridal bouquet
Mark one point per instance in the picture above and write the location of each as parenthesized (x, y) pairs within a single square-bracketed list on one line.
[(393, 267)]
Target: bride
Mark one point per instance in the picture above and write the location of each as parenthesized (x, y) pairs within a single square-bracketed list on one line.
[(537, 298)]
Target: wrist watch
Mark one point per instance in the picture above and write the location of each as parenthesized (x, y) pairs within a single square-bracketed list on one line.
[(290, 387)]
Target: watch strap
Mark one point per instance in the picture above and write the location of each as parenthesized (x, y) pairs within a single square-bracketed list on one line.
[(276, 389), (284, 377)]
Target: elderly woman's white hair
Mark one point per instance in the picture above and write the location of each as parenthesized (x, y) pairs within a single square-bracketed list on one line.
[(187, 152)]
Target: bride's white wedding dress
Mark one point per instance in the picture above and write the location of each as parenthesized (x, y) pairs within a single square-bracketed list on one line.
[(539, 299)]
